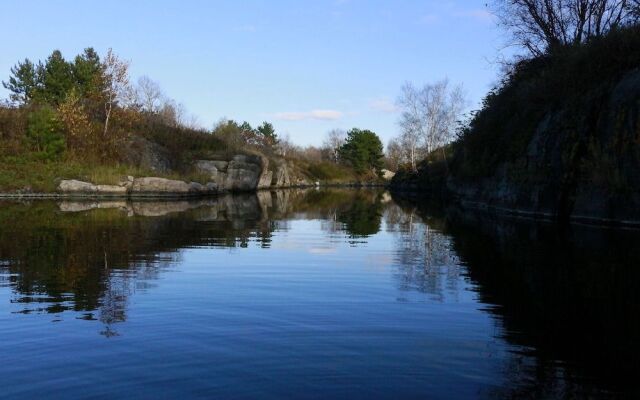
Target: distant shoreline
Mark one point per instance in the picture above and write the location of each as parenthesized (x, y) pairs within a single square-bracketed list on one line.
[(172, 195)]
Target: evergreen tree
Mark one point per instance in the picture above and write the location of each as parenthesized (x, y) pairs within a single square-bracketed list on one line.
[(44, 133), (24, 82), (268, 133), (87, 73), (363, 150), (57, 78)]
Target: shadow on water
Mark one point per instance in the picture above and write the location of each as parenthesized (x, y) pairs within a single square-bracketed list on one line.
[(566, 302), (568, 298)]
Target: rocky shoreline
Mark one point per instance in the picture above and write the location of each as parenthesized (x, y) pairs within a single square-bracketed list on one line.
[(154, 188), (240, 173)]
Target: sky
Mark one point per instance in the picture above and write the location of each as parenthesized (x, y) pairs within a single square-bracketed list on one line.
[(307, 66)]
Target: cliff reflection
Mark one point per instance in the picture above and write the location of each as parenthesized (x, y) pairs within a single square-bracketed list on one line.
[(568, 300)]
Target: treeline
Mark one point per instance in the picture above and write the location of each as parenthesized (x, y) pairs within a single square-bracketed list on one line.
[(353, 154), (86, 110)]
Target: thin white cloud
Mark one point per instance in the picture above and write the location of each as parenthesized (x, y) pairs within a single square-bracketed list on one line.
[(324, 115), (383, 106)]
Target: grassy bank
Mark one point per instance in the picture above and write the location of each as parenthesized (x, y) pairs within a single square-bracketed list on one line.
[(23, 174)]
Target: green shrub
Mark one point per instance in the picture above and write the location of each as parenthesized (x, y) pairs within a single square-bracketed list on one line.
[(45, 133)]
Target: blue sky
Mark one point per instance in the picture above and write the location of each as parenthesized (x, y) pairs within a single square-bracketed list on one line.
[(307, 66)]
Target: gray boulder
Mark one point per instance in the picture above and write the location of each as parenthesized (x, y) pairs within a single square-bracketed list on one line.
[(73, 186), (170, 187), (153, 185), (246, 172)]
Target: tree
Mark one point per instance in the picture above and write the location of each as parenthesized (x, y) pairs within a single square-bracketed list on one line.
[(24, 82), (541, 26), (634, 10), (115, 73), (149, 95), (395, 155), (268, 134), (171, 113), (334, 140), (429, 116), (87, 74), (57, 78), (44, 133), (76, 124), (51, 81), (410, 122), (285, 146), (230, 132), (363, 150)]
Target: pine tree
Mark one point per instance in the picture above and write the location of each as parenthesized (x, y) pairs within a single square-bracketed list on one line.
[(24, 82), (363, 150), (57, 78)]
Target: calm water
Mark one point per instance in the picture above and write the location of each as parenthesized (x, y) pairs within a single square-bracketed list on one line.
[(311, 294)]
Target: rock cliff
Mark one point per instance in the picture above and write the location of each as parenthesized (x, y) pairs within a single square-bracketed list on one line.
[(248, 173), (243, 173), (582, 167)]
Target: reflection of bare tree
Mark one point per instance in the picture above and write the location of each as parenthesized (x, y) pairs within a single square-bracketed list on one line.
[(425, 258), (114, 302)]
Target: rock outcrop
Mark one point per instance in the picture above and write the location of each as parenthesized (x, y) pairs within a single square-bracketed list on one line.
[(581, 168), (80, 187), (147, 155), (243, 173), (246, 173), (577, 160), (281, 177), (140, 187), (152, 186)]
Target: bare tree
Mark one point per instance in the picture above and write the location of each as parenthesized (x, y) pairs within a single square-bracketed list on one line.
[(117, 90), (334, 140), (410, 121), (285, 146), (634, 10), (172, 113), (395, 155), (541, 25), (429, 116), (149, 94)]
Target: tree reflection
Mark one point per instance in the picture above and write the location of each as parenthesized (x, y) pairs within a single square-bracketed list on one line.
[(425, 258), (89, 257), (362, 218)]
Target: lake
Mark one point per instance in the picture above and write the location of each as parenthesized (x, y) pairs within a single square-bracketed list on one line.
[(312, 294)]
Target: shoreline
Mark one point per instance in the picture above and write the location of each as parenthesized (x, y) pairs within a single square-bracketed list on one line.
[(171, 195), (542, 216)]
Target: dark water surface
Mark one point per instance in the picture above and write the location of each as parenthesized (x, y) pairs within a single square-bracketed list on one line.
[(311, 294)]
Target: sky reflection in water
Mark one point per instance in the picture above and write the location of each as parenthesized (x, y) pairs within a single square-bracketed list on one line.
[(310, 294)]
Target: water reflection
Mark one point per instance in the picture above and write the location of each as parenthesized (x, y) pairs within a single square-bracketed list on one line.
[(564, 304), (568, 298), (90, 256)]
